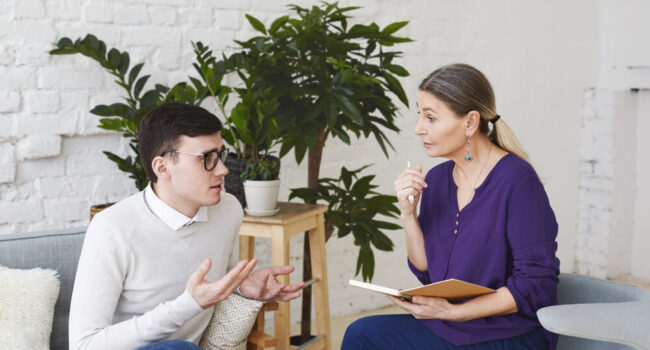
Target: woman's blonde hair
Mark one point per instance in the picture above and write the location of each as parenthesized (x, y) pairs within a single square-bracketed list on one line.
[(464, 89)]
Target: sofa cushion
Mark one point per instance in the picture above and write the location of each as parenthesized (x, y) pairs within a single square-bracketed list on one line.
[(56, 250), (231, 322), (27, 299)]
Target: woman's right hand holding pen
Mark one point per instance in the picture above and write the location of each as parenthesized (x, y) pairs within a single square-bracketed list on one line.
[(409, 182)]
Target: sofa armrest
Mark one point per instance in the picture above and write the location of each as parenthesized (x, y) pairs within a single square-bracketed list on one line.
[(624, 323)]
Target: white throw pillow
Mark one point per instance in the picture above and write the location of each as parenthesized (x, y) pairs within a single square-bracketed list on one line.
[(232, 321), (27, 299)]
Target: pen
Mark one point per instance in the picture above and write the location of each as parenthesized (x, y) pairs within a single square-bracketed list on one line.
[(410, 197)]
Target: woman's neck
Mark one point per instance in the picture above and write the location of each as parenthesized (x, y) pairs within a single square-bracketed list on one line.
[(480, 151)]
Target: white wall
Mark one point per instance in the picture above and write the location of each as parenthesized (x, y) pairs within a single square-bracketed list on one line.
[(640, 259), (539, 55)]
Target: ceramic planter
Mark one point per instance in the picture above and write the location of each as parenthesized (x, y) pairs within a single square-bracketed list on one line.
[(262, 197)]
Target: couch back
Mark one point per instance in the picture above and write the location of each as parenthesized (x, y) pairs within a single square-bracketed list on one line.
[(56, 250), (579, 289)]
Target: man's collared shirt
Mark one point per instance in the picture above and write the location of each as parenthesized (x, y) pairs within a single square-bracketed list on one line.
[(170, 216)]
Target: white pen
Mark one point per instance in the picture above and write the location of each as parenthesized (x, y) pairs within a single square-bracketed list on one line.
[(410, 197)]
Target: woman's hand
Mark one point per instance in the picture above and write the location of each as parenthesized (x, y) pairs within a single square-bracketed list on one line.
[(426, 308), (409, 182)]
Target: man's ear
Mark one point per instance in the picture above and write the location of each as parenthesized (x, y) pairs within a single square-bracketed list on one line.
[(473, 120), (159, 167)]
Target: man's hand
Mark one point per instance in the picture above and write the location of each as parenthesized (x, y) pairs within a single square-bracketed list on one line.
[(207, 293), (424, 308), (263, 285)]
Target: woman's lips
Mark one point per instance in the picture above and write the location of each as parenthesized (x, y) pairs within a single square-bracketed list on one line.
[(426, 144)]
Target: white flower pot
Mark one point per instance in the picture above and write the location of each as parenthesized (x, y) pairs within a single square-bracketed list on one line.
[(261, 197)]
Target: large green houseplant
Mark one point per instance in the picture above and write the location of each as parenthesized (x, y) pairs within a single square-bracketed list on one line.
[(332, 80)]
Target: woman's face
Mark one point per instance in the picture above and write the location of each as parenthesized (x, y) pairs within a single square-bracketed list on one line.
[(442, 132)]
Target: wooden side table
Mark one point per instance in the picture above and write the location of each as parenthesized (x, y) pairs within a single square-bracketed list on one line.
[(292, 219)]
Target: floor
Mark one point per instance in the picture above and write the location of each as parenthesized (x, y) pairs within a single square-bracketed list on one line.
[(339, 324)]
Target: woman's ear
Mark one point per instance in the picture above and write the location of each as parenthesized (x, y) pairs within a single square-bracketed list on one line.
[(159, 167), (473, 120)]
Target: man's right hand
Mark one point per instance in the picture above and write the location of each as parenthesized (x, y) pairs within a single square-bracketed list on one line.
[(207, 293)]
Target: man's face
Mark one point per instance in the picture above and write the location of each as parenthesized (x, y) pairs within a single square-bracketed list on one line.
[(192, 185)]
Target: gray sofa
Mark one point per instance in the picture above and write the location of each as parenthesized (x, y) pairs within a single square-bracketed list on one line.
[(597, 314), (621, 313), (52, 250)]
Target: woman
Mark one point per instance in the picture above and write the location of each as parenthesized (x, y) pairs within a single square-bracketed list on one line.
[(484, 218)]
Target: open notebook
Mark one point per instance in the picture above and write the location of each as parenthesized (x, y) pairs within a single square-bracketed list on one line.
[(451, 289)]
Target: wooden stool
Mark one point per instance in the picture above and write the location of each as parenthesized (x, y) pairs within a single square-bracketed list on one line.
[(292, 219)]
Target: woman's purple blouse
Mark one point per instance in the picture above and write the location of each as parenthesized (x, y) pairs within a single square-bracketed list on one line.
[(504, 237)]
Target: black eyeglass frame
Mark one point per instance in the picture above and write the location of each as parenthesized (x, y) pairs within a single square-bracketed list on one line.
[(221, 155)]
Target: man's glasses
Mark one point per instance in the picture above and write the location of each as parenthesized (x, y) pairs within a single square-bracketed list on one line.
[(210, 159)]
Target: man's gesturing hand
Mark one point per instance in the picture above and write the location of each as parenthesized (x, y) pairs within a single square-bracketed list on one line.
[(208, 293), (263, 285)]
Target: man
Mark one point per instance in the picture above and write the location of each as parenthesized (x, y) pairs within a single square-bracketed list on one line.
[(146, 264)]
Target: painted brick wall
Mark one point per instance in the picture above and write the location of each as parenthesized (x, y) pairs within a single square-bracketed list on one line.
[(52, 168)]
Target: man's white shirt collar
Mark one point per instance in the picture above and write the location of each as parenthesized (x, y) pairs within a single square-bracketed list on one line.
[(170, 216)]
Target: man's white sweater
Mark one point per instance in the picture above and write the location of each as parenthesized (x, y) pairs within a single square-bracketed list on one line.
[(130, 285)]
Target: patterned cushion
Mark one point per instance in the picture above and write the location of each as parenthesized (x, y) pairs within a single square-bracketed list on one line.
[(232, 321)]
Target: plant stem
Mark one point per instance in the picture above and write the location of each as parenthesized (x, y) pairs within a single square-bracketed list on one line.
[(314, 158)]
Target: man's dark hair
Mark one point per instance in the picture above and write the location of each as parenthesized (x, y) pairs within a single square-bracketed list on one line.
[(160, 129)]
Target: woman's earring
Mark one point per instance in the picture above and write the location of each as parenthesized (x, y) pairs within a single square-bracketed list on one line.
[(468, 157)]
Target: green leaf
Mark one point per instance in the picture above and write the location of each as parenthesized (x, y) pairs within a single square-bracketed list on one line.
[(393, 27), (64, 43), (115, 124), (114, 58), (300, 151), (395, 86), (257, 25), (365, 263), (102, 111), (280, 21), (124, 63), (399, 70), (139, 85), (341, 135), (381, 241), (362, 186), (149, 99), (134, 72), (386, 225), (349, 109), (346, 176), (331, 111)]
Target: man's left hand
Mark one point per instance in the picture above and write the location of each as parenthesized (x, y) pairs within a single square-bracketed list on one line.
[(263, 285)]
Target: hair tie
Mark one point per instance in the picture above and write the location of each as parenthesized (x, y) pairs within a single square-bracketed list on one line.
[(494, 120)]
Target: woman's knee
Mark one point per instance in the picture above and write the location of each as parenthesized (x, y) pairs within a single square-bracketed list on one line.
[(359, 327)]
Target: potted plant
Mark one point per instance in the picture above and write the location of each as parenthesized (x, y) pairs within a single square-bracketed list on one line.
[(251, 126), (262, 186), (332, 79)]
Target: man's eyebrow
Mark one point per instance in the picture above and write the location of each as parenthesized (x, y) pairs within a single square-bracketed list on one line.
[(215, 149)]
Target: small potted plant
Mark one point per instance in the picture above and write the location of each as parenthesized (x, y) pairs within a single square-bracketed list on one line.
[(261, 186), (250, 128)]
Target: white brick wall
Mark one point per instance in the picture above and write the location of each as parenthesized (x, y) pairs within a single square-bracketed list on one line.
[(607, 184), (51, 165)]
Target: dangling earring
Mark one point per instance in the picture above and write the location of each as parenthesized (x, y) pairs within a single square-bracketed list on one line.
[(468, 157)]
